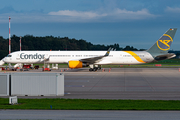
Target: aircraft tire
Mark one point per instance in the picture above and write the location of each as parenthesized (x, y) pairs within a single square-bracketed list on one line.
[(90, 69), (95, 69)]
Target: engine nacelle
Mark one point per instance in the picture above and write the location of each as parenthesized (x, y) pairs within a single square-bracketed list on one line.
[(77, 64)]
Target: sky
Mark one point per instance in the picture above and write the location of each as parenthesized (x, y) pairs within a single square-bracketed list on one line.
[(137, 23)]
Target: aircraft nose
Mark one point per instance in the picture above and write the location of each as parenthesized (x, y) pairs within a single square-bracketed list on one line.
[(4, 59), (2, 62)]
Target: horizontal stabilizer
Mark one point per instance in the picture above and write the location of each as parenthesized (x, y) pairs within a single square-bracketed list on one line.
[(166, 56)]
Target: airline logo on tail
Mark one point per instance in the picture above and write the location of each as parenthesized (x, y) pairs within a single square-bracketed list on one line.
[(164, 42)]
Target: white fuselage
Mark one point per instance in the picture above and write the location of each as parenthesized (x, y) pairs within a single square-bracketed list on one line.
[(115, 57)]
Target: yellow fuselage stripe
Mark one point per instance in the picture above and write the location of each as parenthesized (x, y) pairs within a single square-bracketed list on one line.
[(135, 56)]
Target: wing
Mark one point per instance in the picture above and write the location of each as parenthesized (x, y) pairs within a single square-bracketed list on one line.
[(93, 60)]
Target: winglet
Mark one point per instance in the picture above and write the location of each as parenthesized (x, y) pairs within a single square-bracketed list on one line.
[(108, 51)]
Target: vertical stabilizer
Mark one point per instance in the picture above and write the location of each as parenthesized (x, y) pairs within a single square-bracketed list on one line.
[(163, 44)]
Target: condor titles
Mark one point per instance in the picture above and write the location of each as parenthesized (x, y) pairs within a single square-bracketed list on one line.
[(32, 56)]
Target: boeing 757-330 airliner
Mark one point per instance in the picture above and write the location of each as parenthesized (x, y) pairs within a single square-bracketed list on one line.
[(94, 59)]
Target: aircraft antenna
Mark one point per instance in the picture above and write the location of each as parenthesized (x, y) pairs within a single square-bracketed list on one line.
[(9, 36)]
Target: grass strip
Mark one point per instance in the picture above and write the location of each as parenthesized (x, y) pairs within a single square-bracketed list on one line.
[(90, 104)]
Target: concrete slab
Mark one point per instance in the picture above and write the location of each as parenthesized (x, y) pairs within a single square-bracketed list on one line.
[(124, 83), (121, 83)]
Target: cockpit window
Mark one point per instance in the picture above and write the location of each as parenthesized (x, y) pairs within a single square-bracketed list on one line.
[(9, 56)]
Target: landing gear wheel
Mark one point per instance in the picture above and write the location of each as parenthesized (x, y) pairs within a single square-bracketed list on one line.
[(90, 69), (95, 69)]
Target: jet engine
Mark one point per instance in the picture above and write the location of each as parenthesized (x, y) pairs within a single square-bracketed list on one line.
[(77, 64)]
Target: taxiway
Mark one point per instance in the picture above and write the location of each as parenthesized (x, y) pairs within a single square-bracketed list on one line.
[(121, 83)]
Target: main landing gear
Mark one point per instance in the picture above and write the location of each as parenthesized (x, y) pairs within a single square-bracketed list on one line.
[(94, 68)]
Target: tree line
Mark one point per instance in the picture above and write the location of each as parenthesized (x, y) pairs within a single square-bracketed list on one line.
[(30, 42)]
